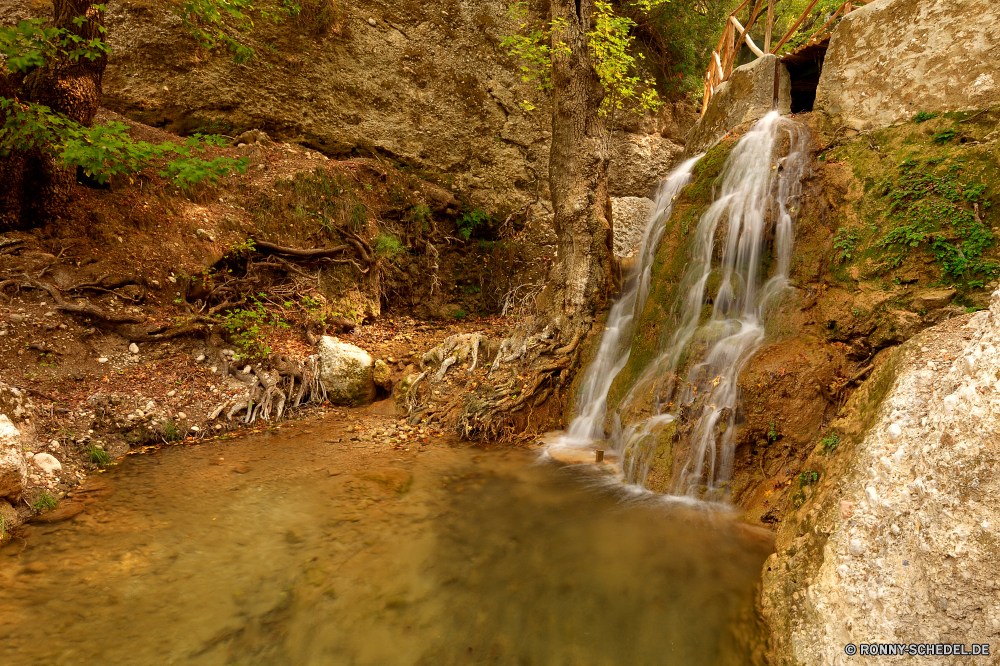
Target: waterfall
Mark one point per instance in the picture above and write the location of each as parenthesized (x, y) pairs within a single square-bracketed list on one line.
[(617, 339), (754, 201)]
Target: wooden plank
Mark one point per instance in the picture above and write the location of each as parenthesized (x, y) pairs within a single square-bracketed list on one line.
[(832, 19), (795, 27), (746, 37), (770, 23)]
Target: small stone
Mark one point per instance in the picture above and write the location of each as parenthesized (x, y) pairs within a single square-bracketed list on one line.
[(895, 431), (214, 368), (36, 568), (335, 472), (894, 529), (102, 360), (857, 547), (372, 22), (15, 318), (195, 429), (134, 348), (181, 415), (46, 463), (171, 393), (199, 358), (242, 468), (846, 508), (247, 369)]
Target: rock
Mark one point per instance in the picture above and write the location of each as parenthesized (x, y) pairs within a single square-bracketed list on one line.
[(382, 374), (747, 96), (242, 468), (857, 547), (630, 216), (639, 162), (894, 431), (894, 58), (931, 299), (133, 348), (16, 404), (47, 463), (102, 360), (371, 22), (62, 512), (15, 318), (199, 358), (181, 415), (346, 372), (13, 467), (204, 235)]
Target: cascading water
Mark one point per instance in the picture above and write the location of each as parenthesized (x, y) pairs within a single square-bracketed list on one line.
[(753, 205), (614, 350)]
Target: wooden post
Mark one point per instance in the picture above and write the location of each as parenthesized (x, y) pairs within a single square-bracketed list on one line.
[(770, 22)]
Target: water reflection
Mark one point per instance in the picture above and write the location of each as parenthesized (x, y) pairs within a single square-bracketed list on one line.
[(454, 556)]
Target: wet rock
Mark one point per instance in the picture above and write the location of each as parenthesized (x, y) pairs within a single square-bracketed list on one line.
[(65, 511), (346, 372), (13, 467), (397, 480), (242, 468)]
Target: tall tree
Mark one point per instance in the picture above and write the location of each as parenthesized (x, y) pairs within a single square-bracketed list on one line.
[(580, 278)]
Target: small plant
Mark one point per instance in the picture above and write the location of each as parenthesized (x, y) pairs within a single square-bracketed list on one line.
[(830, 442), (924, 116), (459, 314), (388, 246), (846, 243), (772, 435), (98, 456), (944, 136), (808, 477), (468, 222), (171, 431), (246, 327), (45, 502)]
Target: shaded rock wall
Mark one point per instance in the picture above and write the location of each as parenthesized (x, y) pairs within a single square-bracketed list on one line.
[(895, 58)]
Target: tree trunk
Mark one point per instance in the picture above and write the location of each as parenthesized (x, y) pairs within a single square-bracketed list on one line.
[(580, 279), (38, 187)]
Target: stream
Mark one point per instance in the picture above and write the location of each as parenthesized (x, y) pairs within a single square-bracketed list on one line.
[(286, 548)]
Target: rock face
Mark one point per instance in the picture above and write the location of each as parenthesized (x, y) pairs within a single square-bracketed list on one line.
[(904, 547), (895, 58), (13, 468), (426, 84), (630, 215), (346, 372), (747, 96)]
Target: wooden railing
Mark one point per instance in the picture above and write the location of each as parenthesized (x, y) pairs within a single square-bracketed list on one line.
[(735, 33)]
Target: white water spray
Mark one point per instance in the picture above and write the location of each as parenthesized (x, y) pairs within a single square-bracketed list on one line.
[(754, 202), (617, 339)]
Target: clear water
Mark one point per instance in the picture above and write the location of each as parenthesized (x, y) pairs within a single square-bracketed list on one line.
[(451, 556)]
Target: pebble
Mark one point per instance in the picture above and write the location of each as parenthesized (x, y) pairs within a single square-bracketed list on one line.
[(372, 22), (47, 463), (171, 393), (134, 348), (15, 318), (857, 547), (199, 358), (895, 431), (195, 429), (102, 360), (181, 415), (242, 468)]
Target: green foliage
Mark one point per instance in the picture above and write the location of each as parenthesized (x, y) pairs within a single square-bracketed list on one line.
[(467, 223), (388, 246), (931, 207), (830, 442), (98, 456), (944, 136), (807, 477), (31, 44), (924, 116), (772, 434), (611, 47), (246, 327), (845, 244), (105, 151), (531, 47), (459, 314), (45, 502)]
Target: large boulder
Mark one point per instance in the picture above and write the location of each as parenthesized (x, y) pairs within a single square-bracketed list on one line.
[(895, 534), (748, 95), (895, 58), (346, 372), (13, 467)]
